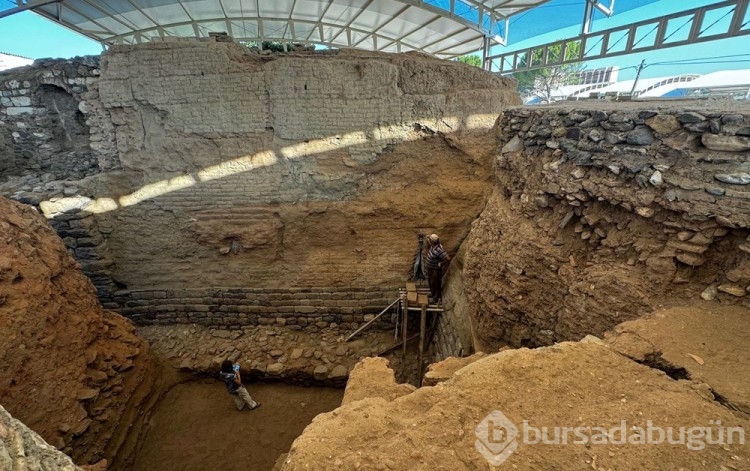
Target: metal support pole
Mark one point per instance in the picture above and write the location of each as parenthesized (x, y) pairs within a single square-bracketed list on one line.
[(588, 14), (637, 76), (422, 329), (485, 53), (404, 329)]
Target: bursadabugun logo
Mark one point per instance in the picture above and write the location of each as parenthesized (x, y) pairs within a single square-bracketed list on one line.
[(496, 438)]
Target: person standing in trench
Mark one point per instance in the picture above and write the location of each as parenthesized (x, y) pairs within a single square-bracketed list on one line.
[(230, 373), (436, 264)]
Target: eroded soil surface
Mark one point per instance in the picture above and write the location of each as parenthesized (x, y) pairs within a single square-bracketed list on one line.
[(196, 426)]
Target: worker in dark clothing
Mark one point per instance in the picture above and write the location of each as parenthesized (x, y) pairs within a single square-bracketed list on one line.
[(230, 373), (436, 263)]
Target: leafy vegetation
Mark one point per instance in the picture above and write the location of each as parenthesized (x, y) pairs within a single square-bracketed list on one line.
[(474, 60), (541, 83)]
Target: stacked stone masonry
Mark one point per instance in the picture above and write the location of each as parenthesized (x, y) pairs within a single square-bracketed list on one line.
[(56, 132), (685, 161), (603, 212), (192, 165), (307, 309)]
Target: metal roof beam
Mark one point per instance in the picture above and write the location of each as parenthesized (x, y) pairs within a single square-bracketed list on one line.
[(588, 14), (29, 5), (59, 9), (483, 16), (322, 15), (412, 31), (261, 35), (661, 40), (354, 18), (477, 26), (131, 27), (383, 25)]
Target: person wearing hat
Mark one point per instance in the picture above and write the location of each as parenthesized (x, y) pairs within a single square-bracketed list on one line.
[(436, 264)]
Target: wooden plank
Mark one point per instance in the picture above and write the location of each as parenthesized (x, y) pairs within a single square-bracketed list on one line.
[(411, 296), (390, 349), (404, 329), (367, 324), (423, 300), (422, 328), (411, 286)]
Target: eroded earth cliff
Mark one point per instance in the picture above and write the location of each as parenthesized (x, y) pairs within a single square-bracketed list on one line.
[(73, 372), (604, 212)]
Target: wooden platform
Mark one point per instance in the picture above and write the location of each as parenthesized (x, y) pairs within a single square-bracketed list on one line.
[(416, 299), (411, 299)]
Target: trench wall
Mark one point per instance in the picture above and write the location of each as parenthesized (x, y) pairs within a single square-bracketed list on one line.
[(197, 181), (606, 211)]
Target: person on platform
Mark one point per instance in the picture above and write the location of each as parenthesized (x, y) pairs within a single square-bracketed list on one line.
[(436, 263)]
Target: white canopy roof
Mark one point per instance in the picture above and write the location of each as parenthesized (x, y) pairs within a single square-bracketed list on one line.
[(444, 28)]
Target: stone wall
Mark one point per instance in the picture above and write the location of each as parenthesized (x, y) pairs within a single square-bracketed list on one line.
[(53, 133), (307, 309), (607, 211), (216, 167)]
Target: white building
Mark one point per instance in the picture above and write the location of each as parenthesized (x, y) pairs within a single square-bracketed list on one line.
[(10, 61), (732, 83)]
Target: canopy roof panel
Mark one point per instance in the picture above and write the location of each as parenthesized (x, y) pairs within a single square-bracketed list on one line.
[(444, 28)]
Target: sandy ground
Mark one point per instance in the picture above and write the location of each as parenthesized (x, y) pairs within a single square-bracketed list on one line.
[(197, 428)]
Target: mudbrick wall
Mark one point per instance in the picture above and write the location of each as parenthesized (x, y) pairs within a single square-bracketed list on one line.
[(605, 212), (198, 181)]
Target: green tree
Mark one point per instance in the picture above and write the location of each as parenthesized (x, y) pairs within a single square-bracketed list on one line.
[(474, 60), (541, 83)]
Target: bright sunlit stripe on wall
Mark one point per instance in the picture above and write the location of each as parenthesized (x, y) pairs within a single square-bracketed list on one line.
[(383, 134), (153, 190), (318, 146), (238, 165)]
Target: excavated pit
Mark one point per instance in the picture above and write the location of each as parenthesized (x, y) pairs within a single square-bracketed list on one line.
[(264, 232), (196, 426)]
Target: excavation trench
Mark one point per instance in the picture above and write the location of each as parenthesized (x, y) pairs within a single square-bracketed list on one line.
[(196, 426), (191, 421)]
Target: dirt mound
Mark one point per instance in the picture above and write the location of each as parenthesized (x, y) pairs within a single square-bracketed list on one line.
[(72, 372), (707, 343), (573, 385), (371, 377)]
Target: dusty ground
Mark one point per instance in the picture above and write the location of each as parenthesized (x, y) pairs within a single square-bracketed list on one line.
[(196, 427), (706, 343)]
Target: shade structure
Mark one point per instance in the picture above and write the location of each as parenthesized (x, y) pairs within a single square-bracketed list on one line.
[(443, 28)]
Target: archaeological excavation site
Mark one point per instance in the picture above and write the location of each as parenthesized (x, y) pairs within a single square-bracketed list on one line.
[(179, 204)]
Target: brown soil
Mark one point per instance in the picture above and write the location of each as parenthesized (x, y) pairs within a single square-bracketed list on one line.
[(71, 371), (571, 384), (196, 426), (707, 343)]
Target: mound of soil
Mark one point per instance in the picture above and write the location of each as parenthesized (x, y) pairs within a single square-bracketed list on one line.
[(584, 385), (71, 371)]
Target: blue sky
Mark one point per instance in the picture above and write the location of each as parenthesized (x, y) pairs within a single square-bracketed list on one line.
[(29, 35)]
